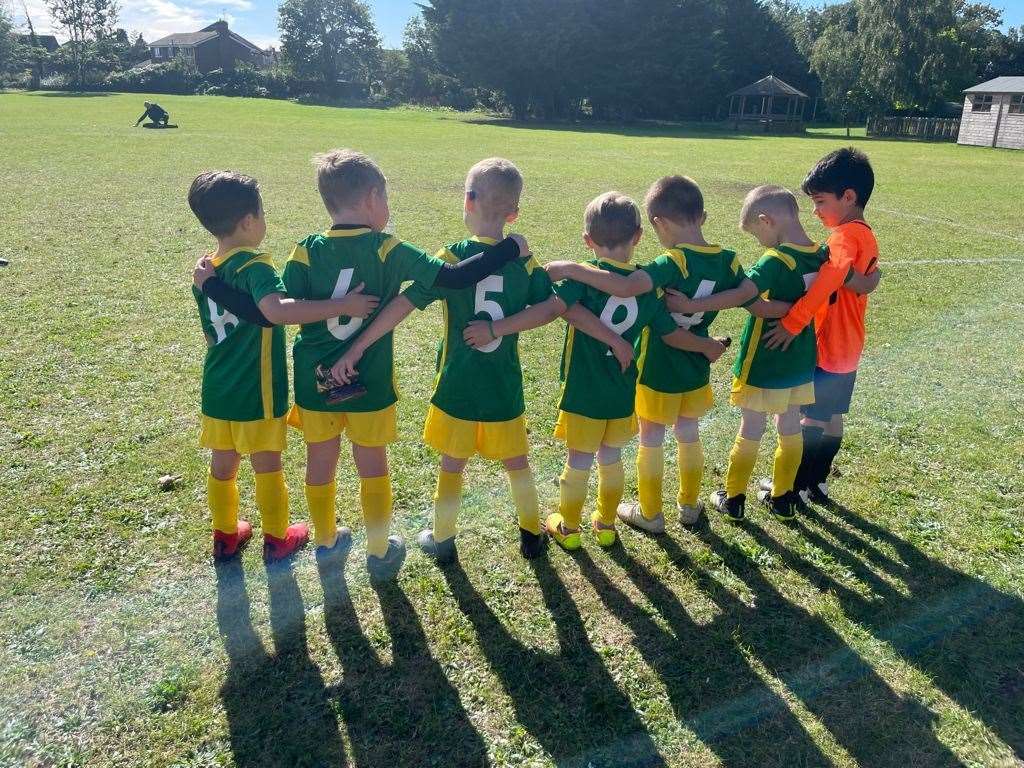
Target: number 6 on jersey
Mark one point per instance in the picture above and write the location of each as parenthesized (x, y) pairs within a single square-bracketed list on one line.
[(339, 330)]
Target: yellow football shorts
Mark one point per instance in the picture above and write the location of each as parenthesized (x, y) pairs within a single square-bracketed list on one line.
[(770, 400), (667, 407), (586, 435), (372, 429), (244, 437), (461, 439)]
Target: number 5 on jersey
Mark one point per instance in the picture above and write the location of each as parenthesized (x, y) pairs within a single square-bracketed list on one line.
[(485, 306), (339, 330)]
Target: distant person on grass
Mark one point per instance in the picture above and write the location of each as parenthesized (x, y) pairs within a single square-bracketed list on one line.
[(245, 384), (157, 115)]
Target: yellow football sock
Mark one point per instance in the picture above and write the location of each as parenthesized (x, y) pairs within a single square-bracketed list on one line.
[(524, 496), (610, 480), (691, 470), (650, 469), (222, 496), (320, 500), (447, 499), (741, 465), (787, 461), (375, 494), (272, 502), (572, 486)]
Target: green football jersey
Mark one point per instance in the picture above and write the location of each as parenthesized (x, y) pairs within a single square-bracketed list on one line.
[(483, 384), (245, 375), (698, 271), (593, 383), (328, 266), (784, 273)]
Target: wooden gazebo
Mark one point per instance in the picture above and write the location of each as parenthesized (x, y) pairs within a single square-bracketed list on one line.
[(769, 102)]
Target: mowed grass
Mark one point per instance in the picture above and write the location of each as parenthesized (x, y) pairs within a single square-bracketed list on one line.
[(885, 632)]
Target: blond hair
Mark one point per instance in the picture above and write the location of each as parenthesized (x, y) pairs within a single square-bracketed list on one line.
[(771, 200), (612, 219), (676, 198), (345, 177), (495, 184)]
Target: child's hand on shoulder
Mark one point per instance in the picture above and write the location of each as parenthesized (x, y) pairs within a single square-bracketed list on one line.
[(559, 270), (678, 302), (623, 352), (202, 272)]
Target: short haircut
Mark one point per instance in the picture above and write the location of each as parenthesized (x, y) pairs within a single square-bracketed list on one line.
[(676, 198), (345, 177), (838, 171), (221, 199), (495, 184), (612, 219), (777, 202)]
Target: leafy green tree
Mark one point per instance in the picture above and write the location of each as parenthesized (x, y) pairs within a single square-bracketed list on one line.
[(85, 22), (329, 40), (12, 53)]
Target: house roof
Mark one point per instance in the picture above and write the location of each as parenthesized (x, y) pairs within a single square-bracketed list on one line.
[(184, 38), (769, 86), (1013, 84), (49, 42)]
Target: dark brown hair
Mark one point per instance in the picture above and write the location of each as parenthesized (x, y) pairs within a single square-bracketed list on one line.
[(221, 199), (676, 198)]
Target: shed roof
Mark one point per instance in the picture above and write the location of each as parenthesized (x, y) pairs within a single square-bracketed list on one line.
[(769, 86), (1012, 84)]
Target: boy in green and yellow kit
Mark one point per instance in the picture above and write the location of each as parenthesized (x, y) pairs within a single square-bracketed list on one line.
[(356, 250)]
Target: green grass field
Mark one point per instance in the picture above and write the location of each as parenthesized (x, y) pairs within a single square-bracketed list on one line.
[(887, 632)]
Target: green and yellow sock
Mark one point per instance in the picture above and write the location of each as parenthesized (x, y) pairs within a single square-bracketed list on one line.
[(320, 500), (691, 472), (222, 497), (447, 500), (572, 486), (376, 498), (272, 502), (650, 470), (611, 478), (787, 461), (741, 465), (524, 495)]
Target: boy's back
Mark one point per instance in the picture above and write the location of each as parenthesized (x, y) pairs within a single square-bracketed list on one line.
[(840, 324), (245, 374), (484, 384), (593, 383), (784, 273), (696, 271), (331, 265)]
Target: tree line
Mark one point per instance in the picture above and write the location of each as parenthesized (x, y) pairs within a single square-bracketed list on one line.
[(575, 59)]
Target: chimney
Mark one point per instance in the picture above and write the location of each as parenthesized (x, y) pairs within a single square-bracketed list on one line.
[(219, 26)]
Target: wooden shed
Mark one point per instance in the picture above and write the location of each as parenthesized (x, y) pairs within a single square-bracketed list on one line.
[(994, 114), (769, 102)]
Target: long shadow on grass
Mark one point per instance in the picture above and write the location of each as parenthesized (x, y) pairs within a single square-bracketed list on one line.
[(567, 701), (713, 689), (961, 632), (874, 724), (405, 713), (278, 709)]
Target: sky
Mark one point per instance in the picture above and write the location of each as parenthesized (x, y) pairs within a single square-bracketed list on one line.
[(256, 20)]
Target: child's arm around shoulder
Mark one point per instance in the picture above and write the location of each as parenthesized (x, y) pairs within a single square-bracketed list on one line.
[(734, 297), (622, 286), (389, 318)]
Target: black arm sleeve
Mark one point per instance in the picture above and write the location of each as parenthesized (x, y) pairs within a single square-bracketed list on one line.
[(473, 270), (238, 303)]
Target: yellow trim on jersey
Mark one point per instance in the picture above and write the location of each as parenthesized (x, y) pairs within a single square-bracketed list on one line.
[(785, 258), (755, 339), (645, 338), (679, 259), (387, 247), (444, 346), (812, 248), (267, 372), (613, 263), (531, 264), (484, 240), (735, 266), (299, 254), (216, 261), (710, 248), (568, 354), (445, 254), (260, 258), (347, 232)]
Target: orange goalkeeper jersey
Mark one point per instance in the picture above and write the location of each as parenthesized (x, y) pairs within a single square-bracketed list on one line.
[(837, 311)]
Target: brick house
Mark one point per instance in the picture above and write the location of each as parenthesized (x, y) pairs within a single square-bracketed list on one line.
[(212, 47), (994, 114)]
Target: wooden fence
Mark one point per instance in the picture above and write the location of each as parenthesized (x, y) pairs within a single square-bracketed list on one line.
[(923, 128)]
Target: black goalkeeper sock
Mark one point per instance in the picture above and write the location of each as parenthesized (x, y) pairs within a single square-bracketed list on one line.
[(826, 455), (809, 461)]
